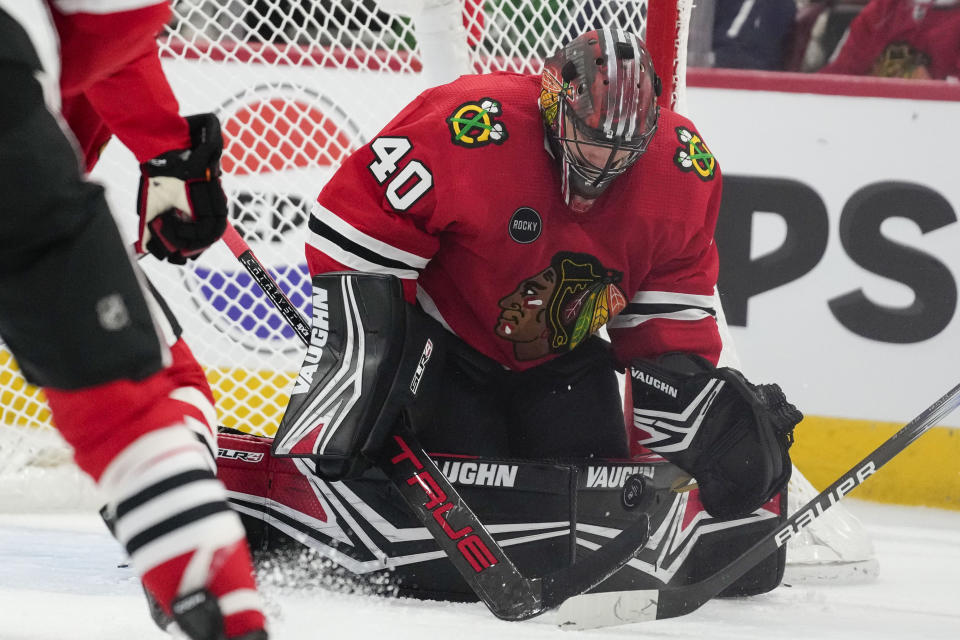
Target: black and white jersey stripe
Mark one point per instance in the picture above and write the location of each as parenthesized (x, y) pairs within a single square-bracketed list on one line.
[(652, 305), (339, 240)]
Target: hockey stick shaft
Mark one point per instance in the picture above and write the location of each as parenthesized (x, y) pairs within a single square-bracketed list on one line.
[(242, 251), (454, 526), (677, 604), (638, 606), (458, 531)]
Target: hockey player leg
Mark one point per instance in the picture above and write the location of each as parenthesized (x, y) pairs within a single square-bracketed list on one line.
[(192, 391), (73, 312), (195, 397), (167, 507)]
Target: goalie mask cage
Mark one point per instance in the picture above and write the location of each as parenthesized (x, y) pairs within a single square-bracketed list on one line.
[(298, 85)]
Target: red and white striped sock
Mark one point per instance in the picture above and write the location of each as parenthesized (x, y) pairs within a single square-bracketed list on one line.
[(171, 514)]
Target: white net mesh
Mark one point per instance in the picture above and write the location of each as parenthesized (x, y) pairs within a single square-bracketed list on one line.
[(518, 35)]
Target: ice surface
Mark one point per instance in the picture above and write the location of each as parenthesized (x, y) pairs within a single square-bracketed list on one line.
[(61, 579)]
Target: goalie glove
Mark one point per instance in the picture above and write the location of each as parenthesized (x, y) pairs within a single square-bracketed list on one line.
[(182, 207), (731, 435)]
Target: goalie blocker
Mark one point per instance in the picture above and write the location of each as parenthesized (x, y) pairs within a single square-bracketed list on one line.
[(367, 360), (732, 436)]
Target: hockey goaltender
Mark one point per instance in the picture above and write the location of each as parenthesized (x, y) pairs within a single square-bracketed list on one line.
[(463, 262)]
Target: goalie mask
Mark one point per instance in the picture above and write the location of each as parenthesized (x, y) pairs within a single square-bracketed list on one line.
[(598, 99)]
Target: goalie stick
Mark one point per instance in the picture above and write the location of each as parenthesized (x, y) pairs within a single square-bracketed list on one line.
[(458, 532), (588, 611)]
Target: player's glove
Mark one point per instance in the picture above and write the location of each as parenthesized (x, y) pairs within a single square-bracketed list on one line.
[(731, 435), (182, 207)]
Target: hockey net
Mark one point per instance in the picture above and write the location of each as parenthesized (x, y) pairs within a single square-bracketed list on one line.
[(297, 85)]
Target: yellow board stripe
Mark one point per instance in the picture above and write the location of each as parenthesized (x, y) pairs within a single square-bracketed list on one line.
[(248, 400), (927, 473)]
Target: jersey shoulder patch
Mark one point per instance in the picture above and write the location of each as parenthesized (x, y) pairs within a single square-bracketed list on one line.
[(692, 155), (476, 123)]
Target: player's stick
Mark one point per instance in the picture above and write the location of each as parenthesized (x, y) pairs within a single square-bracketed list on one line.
[(458, 532), (239, 247), (607, 609)]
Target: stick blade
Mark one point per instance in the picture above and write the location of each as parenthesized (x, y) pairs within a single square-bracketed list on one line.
[(596, 610)]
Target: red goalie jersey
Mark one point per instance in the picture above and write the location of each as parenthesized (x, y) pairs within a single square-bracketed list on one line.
[(459, 197)]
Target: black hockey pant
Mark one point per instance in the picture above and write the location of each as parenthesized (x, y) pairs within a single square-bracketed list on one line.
[(72, 309), (567, 408)]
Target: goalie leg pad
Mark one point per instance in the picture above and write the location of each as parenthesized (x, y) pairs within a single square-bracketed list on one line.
[(553, 514), (686, 544)]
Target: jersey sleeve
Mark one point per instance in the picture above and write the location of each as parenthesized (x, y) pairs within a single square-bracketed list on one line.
[(378, 212), (673, 308), (112, 82)]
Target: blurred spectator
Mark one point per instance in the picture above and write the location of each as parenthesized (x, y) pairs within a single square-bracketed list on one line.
[(806, 47), (902, 39), (752, 34)]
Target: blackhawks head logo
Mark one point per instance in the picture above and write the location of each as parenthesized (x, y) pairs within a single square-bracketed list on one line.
[(694, 155), (473, 125), (558, 308)]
